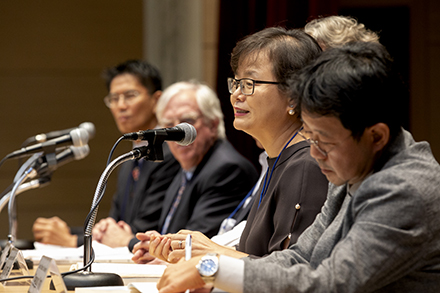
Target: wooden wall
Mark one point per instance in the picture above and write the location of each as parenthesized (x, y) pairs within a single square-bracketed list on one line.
[(52, 54)]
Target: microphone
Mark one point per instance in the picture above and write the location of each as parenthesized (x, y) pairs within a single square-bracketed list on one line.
[(42, 137), (42, 168), (183, 133), (76, 137), (64, 157)]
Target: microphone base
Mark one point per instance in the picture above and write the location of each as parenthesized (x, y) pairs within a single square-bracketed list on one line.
[(90, 279)]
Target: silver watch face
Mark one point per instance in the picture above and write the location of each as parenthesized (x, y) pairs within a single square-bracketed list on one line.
[(208, 267)]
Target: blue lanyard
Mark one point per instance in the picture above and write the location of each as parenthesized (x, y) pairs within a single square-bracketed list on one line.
[(241, 203), (266, 183)]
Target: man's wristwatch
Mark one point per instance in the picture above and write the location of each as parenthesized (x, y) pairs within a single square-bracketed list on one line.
[(208, 267)]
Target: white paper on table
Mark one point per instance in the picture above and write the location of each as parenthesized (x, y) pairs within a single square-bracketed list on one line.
[(144, 287), (131, 288), (68, 255), (130, 270), (232, 237)]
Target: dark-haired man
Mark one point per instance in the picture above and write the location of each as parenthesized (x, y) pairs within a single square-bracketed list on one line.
[(379, 230), (134, 88)]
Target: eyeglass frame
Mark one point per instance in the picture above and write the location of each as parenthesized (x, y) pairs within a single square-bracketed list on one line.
[(190, 119), (107, 99), (230, 79), (315, 143)]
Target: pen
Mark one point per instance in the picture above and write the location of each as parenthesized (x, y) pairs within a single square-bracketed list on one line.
[(188, 247)]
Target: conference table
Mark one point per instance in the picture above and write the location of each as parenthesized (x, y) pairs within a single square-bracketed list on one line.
[(107, 260), (20, 286)]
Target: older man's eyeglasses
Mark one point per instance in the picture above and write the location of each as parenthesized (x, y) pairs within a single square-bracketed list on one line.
[(190, 119), (247, 85), (128, 97), (323, 148)]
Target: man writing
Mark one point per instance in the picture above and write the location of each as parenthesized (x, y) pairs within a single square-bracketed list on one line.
[(379, 230)]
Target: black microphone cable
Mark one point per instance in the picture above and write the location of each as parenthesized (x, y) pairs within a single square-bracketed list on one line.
[(113, 149)]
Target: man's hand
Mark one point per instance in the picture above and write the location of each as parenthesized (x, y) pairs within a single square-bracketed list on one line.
[(53, 231), (100, 228), (141, 249), (181, 276), (112, 234)]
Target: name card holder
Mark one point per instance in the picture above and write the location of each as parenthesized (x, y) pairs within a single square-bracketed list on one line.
[(47, 264), (9, 256)]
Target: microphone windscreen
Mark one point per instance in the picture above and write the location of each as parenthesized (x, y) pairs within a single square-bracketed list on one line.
[(190, 134), (90, 127), (80, 152), (79, 137)]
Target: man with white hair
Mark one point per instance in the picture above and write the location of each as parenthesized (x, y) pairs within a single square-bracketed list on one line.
[(214, 177)]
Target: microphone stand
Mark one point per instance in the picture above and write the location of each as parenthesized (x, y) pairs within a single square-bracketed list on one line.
[(25, 172), (87, 278), (30, 172)]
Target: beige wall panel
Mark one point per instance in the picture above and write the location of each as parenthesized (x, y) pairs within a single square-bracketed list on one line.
[(52, 54), (211, 15), (174, 38)]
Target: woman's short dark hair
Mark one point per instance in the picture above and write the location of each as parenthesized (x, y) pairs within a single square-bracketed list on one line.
[(288, 50), (147, 74), (357, 84)]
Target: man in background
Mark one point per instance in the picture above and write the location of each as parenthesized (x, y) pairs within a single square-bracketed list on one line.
[(335, 31), (134, 88), (214, 177)]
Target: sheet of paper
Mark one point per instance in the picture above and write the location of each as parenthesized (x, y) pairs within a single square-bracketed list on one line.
[(112, 289), (67, 255), (129, 270), (131, 288), (232, 237), (144, 287)]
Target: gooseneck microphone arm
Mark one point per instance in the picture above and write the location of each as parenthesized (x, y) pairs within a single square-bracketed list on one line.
[(90, 221), (87, 278), (11, 207), (36, 183), (136, 153)]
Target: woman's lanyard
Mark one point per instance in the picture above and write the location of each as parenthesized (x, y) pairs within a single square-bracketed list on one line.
[(229, 222), (266, 182), (242, 202)]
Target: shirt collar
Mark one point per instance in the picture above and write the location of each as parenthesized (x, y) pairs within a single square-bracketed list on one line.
[(189, 173)]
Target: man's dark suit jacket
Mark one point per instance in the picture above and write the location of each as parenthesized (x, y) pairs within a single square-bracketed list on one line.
[(143, 210), (219, 183)]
